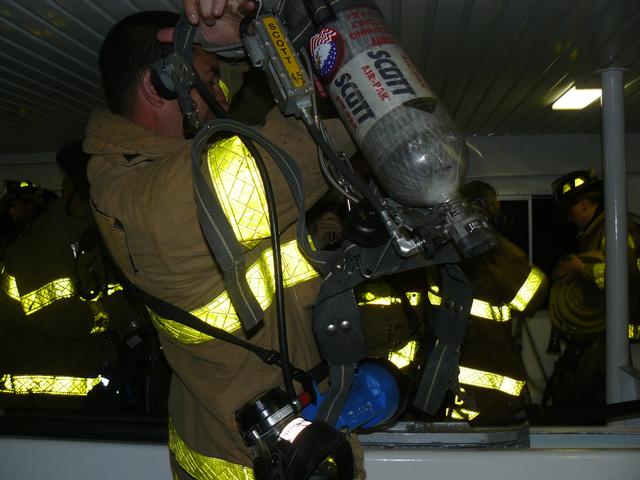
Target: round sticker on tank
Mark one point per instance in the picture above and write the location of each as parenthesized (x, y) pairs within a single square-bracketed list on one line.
[(327, 50)]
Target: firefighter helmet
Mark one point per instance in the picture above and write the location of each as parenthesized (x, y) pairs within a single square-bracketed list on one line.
[(25, 190), (19, 189), (570, 187)]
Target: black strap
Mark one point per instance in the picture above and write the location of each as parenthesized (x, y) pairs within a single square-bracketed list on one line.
[(184, 73), (170, 311), (338, 331), (341, 378), (222, 241), (449, 325), (290, 170), (439, 375)]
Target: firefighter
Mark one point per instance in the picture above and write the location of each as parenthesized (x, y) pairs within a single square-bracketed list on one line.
[(143, 202), (61, 310), (492, 376), (23, 202), (577, 298)]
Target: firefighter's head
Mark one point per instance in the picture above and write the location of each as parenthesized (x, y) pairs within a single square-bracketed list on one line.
[(24, 201), (579, 194), (127, 59), (482, 195)]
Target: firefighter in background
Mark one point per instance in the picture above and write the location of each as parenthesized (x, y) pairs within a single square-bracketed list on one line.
[(577, 298), (492, 375), (62, 310), (23, 202), (391, 309)]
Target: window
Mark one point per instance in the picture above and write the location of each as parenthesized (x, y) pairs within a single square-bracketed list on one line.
[(534, 223)]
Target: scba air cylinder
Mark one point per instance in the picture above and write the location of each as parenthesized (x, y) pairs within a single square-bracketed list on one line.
[(409, 140)]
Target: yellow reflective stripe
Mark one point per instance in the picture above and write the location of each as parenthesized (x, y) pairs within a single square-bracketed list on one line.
[(370, 298), (493, 381), (202, 467), (528, 289), (630, 242), (461, 413), (403, 357), (598, 274), (47, 385), (599, 270), (113, 288), (634, 332), (502, 313), (260, 277), (482, 309), (458, 412), (100, 317), (238, 186), (9, 286), (46, 295), (295, 268), (225, 90), (434, 299), (54, 291), (479, 308)]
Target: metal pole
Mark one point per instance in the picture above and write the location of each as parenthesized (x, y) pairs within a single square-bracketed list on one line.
[(620, 386)]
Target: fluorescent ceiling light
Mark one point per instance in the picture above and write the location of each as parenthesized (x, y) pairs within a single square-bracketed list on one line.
[(575, 99)]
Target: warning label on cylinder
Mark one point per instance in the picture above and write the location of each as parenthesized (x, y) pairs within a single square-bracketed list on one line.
[(367, 25), (374, 83), (293, 429)]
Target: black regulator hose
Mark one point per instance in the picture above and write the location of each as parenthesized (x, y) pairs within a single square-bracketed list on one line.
[(208, 97), (277, 264), (287, 376), (353, 178)]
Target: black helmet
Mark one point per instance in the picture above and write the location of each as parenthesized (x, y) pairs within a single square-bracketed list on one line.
[(19, 189), (26, 190), (568, 188)]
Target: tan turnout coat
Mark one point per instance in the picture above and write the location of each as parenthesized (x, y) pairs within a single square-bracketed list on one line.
[(142, 198)]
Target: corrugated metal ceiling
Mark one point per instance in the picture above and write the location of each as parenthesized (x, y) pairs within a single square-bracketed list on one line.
[(497, 65)]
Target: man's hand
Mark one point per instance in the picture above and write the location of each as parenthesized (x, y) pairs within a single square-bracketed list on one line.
[(567, 268), (217, 20), (210, 11)]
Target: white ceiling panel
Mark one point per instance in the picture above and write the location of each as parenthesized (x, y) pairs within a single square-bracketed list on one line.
[(497, 65)]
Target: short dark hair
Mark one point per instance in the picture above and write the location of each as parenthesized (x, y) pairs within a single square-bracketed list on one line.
[(129, 49), (72, 160)]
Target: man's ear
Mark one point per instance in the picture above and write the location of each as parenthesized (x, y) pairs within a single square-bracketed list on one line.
[(149, 91)]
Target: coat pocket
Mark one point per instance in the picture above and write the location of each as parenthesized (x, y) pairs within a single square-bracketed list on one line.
[(115, 237)]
